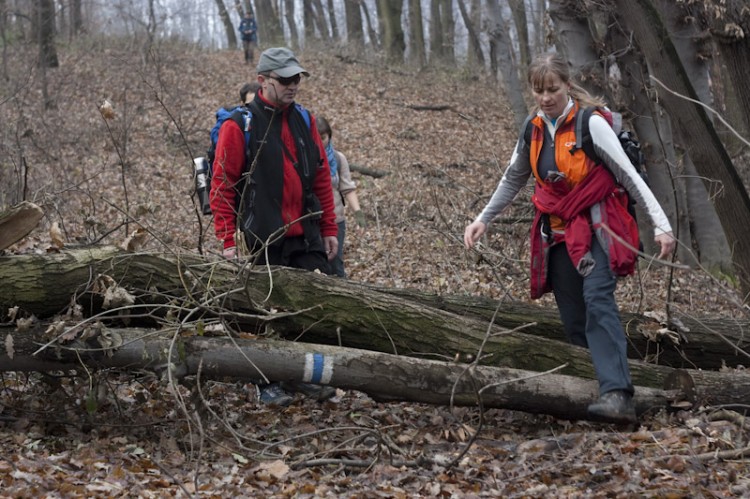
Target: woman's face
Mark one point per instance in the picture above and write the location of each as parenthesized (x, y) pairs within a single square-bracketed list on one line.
[(552, 95), (324, 137)]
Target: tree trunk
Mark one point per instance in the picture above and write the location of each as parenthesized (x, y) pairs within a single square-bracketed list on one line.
[(575, 41), (703, 223), (318, 308), (227, 22), (270, 33), (437, 44), (416, 33), (354, 31), (518, 9), (384, 377), (17, 222), (335, 34), (393, 33), (475, 44), (703, 144), (371, 32), (76, 18), (320, 19), (501, 57), (729, 23), (449, 30), (290, 23), (47, 29)]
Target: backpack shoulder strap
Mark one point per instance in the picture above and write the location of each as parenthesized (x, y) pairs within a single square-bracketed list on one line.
[(583, 134), (525, 133), (305, 114), (243, 116)]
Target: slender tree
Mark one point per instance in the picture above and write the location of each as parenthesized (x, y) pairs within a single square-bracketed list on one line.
[(46, 33), (269, 23), (76, 18), (393, 34), (437, 42), (416, 33), (289, 15), (354, 33), (335, 33), (374, 36), (518, 10), (228, 26), (472, 27), (449, 30), (501, 61)]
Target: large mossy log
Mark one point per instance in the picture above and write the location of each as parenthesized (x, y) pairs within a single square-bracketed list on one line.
[(303, 305)]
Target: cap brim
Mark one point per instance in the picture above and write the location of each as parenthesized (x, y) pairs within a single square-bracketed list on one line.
[(290, 71)]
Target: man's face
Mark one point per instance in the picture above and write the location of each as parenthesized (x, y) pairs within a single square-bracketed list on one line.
[(279, 91)]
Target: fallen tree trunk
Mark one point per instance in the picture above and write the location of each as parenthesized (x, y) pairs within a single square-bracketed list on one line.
[(317, 308), (385, 377), (17, 222)]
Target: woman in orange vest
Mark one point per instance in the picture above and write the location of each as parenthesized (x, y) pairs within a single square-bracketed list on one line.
[(577, 248)]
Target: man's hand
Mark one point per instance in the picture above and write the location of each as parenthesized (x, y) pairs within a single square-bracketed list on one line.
[(230, 253), (331, 245)]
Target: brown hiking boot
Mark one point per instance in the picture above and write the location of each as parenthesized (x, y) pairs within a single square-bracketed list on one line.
[(613, 407)]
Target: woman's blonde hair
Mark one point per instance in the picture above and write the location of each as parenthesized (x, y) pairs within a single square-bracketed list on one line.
[(553, 63)]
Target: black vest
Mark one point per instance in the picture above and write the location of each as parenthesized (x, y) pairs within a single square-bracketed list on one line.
[(262, 190)]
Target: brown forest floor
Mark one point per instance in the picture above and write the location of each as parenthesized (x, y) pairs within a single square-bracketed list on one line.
[(442, 164)]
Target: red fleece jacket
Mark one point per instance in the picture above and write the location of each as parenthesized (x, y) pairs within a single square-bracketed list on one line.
[(229, 164)]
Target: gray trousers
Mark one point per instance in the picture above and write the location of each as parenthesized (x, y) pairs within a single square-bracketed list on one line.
[(590, 315)]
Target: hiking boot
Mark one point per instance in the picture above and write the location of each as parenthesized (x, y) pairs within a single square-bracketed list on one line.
[(614, 407), (274, 394), (317, 392)]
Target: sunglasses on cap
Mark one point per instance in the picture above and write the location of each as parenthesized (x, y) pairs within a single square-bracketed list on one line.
[(287, 81)]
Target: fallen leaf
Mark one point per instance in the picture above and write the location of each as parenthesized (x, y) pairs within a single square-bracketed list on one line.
[(9, 346), (278, 469), (108, 112), (135, 240), (56, 236)]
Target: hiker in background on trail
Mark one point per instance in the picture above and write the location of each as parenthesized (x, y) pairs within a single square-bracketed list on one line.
[(282, 211), (248, 91), (249, 33), (344, 192), (579, 204)]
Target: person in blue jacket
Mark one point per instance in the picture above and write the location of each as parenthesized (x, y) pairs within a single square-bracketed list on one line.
[(249, 32)]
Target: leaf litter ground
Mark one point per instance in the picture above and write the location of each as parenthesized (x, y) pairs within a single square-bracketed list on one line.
[(442, 165)]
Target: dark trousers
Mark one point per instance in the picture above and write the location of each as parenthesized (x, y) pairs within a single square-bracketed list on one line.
[(590, 315), (294, 252)]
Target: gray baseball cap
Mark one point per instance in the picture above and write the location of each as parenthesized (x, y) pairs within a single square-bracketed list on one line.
[(281, 61)]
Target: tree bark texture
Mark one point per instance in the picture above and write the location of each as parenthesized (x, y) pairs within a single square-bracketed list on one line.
[(704, 146), (17, 222), (227, 22), (416, 33), (384, 377), (393, 33), (320, 309)]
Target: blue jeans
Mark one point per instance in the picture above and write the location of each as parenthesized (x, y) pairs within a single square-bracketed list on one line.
[(590, 315), (337, 264)]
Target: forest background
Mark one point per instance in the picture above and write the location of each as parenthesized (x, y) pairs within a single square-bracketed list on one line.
[(432, 93)]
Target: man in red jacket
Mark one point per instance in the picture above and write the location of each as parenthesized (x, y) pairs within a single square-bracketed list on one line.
[(273, 195), (289, 177)]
